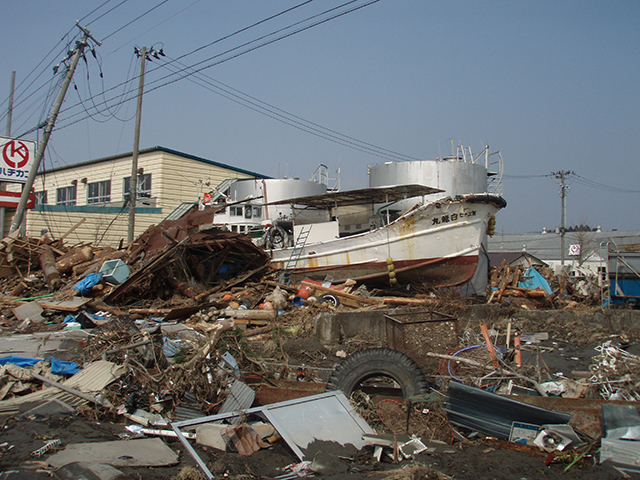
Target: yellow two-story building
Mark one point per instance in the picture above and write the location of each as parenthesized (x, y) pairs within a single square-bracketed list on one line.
[(92, 196)]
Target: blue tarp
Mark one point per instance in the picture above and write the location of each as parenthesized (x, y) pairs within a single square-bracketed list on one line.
[(84, 286), (532, 279), (58, 367)]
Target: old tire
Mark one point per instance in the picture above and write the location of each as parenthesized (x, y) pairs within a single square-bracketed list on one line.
[(331, 299), (379, 362)]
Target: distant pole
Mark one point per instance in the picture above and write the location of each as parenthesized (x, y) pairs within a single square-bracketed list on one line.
[(17, 219), (563, 202), (3, 185), (10, 109), (133, 186)]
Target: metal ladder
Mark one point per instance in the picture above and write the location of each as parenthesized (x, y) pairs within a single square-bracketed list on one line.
[(290, 266)]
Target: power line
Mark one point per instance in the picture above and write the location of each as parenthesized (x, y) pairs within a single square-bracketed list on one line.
[(525, 177), (135, 19), (292, 120), (98, 8), (193, 70), (240, 97), (152, 69), (601, 186)]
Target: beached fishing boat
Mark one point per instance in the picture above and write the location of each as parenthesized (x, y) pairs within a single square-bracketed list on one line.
[(436, 243)]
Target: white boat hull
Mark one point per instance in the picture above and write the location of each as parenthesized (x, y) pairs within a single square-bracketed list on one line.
[(436, 244)]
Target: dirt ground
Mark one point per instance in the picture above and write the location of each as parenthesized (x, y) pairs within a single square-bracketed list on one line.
[(471, 461), (568, 348)]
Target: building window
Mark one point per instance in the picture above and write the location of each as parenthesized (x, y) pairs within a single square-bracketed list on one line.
[(236, 211), (257, 212), (99, 192), (41, 197), (143, 187), (66, 195)]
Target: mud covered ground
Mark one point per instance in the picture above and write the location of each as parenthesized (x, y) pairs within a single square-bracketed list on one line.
[(571, 342), (480, 459)]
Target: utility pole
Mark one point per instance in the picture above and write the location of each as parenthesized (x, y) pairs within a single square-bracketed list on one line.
[(561, 175), (10, 109), (80, 45), (144, 55), (9, 117), (133, 185)]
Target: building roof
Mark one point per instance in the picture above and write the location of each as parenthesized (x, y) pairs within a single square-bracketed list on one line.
[(159, 149), (496, 258), (546, 246), (360, 196)]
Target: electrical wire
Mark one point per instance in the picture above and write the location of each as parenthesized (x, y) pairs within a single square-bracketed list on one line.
[(601, 186), (105, 13), (153, 85), (525, 177), (248, 101), (152, 69), (134, 20), (292, 120), (18, 93)]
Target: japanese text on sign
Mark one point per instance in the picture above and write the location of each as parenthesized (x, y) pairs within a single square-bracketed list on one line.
[(16, 159)]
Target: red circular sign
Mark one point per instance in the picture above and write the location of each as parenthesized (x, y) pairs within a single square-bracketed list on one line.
[(15, 154)]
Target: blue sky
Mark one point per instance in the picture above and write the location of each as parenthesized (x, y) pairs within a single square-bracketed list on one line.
[(552, 85)]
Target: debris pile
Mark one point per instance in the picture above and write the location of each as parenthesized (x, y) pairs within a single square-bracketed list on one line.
[(184, 351), (534, 287)]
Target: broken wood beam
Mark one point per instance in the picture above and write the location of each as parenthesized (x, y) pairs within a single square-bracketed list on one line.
[(71, 230), (340, 293), (74, 257), (48, 264), (269, 315)]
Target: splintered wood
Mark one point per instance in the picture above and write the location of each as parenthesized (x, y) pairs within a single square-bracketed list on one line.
[(505, 280)]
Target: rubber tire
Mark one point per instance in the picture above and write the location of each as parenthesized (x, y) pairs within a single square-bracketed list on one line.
[(331, 299), (376, 362)]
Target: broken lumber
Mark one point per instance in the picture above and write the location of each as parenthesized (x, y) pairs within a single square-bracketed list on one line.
[(74, 257), (48, 263), (341, 294), (249, 314)]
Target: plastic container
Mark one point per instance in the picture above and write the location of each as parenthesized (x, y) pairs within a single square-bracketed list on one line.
[(304, 292), (114, 271)]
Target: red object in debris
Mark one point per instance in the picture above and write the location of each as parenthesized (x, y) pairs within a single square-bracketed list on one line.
[(516, 344), (304, 292)]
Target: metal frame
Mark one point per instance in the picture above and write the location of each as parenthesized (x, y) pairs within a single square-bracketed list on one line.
[(265, 410)]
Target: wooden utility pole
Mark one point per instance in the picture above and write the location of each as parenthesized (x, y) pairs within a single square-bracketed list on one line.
[(9, 117), (17, 219), (133, 185), (10, 108), (563, 202)]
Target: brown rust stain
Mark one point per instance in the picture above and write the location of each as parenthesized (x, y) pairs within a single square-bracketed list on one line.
[(408, 226)]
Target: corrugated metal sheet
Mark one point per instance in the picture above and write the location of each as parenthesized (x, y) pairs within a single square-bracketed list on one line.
[(239, 397), (180, 211), (91, 380), (494, 414)]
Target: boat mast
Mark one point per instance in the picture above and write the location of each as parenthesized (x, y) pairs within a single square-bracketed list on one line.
[(17, 219)]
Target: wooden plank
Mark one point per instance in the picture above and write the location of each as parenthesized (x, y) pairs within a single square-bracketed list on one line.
[(340, 293), (66, 305)]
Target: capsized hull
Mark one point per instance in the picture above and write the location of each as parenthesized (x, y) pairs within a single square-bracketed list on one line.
[(436, 244)]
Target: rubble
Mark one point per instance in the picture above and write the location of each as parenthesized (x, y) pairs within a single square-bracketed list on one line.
[(185, 343)]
